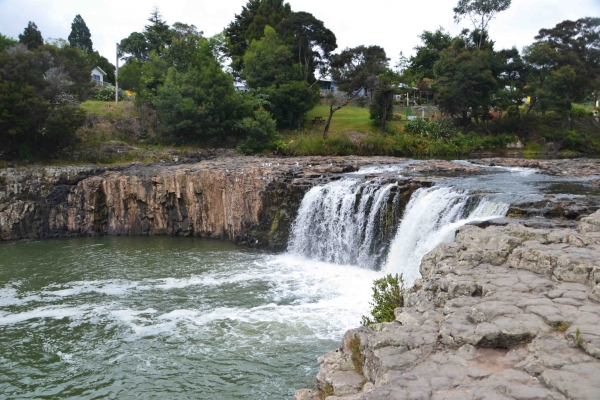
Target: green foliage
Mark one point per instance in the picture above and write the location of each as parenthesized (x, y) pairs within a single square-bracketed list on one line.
[(427, 54), (106, 93), (250, 25), (39, 95), (31, 36), (466, 82), (200, 104), (80, 35), (6, 42), (387, 296), (269, 66), (435, 130), (381, 106), (579, 111), (480, 13), (260, 133)]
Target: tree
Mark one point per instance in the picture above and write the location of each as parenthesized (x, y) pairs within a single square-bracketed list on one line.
[(312, 42), (6, 42), (200, 104), (578, 45), (250, 24), (382, 103), (80, 35), (421, 64), (480, 12), (270, 68), (134, 46), (158, 34), (39, 95), (184, 44), (356, 71), (31, 36), (512, 82), (466, 82)]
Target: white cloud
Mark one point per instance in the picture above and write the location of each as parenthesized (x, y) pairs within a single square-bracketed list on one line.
[(392, 24)]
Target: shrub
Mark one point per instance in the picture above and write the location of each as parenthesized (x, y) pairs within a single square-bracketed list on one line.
[(432, 129), (387, 296), (578, 111), (106, 93), (261, 133)]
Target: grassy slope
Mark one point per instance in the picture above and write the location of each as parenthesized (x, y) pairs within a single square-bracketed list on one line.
[(110, 110)]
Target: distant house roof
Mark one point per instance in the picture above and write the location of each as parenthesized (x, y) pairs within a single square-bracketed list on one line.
[(100, 69)]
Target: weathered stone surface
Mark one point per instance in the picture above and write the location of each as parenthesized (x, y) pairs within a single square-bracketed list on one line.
[(252, 200), (505, 312)]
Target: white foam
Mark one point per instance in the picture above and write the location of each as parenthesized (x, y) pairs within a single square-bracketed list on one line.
[(432, 216)]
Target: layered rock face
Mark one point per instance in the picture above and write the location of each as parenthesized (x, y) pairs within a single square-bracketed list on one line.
[(504, 312), (245, 199)]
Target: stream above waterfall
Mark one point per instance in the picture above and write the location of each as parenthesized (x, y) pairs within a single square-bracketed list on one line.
[(167, 317)]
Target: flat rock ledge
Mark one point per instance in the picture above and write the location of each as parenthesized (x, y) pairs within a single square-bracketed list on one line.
[(504, 312)]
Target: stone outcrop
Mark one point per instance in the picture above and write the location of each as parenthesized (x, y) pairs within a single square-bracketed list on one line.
[(250, 200), (504, 312)]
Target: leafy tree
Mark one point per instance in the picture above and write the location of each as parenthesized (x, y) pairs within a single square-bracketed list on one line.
[(380, 109), (158, 34), (481, 13), (250, 24), (261, 133), (466, 82), (268, 61), (134, 46), (200, 104), (80, 35), (312, 41), (39, 95), (356, 71), (512, 82), (269, 66), (31, 36), (6, 42), (186, 39), (577, 44), (427, 54)]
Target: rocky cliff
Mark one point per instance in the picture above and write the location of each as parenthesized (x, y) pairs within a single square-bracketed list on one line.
[(244, 199), (504, 312)]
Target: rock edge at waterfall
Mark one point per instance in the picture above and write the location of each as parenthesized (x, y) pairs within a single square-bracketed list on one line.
[(504, 312)]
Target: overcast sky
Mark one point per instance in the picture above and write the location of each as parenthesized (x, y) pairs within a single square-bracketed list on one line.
[(392, 24)]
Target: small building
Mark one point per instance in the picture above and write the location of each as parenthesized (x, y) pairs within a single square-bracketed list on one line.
[(240, 86), (327, 86), (98, 76)]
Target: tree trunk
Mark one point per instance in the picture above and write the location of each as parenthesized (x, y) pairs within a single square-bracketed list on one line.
[(326, 130), (384, 115)]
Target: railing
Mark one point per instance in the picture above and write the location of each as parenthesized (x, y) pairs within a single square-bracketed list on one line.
[(101, 83)]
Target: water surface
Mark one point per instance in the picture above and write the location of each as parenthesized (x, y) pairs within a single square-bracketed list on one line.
[(164, 317)]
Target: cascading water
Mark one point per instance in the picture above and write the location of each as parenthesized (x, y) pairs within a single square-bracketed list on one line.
[(341, 222), (432, 217)]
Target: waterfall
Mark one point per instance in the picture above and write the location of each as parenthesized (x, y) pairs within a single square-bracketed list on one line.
[(345, 221), (432, 217)]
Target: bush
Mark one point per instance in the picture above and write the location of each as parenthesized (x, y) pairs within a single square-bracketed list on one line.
[(106, 93), (431, 129), (387, 296), (261, 133), (578, 111)]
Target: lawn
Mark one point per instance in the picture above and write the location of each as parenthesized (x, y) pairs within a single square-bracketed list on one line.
[(344, 120), (108, 109)]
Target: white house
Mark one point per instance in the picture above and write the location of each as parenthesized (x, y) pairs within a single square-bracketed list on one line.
[(98, 76)]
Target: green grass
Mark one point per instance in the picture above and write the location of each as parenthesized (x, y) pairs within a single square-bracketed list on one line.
[(345, 120), (110, 110)]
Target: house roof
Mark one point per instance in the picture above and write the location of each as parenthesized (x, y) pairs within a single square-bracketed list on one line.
[(100, 69)]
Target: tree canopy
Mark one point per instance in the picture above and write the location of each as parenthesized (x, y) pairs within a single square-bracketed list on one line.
[(31, 36), (80, 35)]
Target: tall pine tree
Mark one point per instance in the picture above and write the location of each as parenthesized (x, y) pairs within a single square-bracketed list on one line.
[(80, 35), (31, 36)]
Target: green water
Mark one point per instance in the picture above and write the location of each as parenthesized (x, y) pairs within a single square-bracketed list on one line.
[(163, 317)]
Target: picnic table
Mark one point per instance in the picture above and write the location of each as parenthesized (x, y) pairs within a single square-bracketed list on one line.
[(318, 120)]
